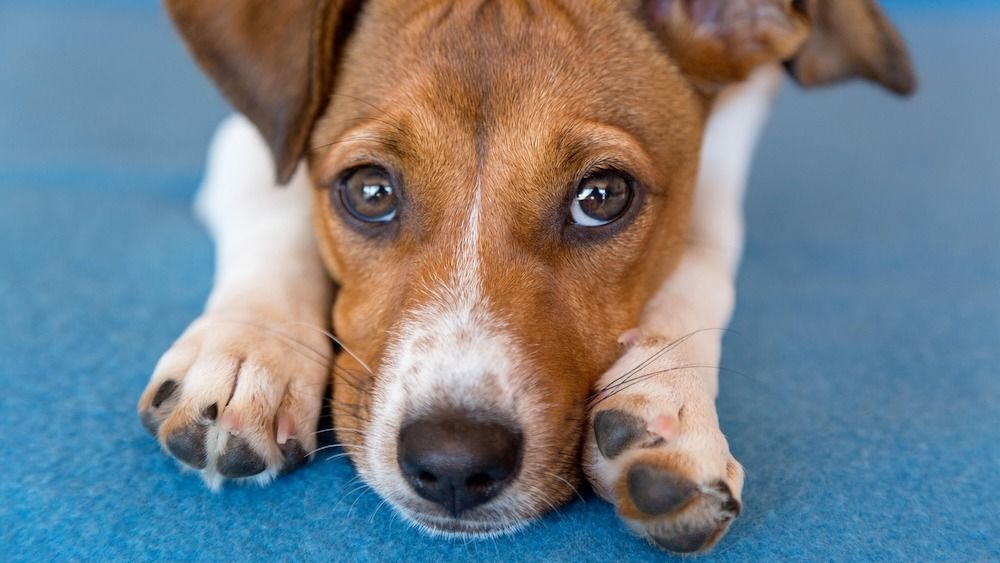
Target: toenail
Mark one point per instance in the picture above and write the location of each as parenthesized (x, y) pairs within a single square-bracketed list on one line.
[(188, 445), (210, 413), (658, 491), (231, 422), (239, 460), (614, 431), (150, 421), (729, 504), (164, 392), (285, 428)]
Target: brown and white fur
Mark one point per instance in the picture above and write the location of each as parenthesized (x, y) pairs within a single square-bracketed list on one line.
[(476, 300)]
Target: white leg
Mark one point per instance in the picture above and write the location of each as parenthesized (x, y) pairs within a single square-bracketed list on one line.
[(655, 449), (239, 394)]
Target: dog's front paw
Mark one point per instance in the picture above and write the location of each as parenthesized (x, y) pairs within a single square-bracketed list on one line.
[(238, 399), (654, 449)]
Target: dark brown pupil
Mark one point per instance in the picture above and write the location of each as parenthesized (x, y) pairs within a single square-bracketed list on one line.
[(604, 196), (369, 195)]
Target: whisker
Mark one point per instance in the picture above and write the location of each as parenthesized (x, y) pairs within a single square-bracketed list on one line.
[(645, 376), (326, 447), (656, 355), (321, 448), (693, 366), (539, 497), (360, 487), (570, 485), (339, 430), (325, 358), (375, 138), (330, 335), (361, 494), (377, 508), (394, 126), (363, 101)]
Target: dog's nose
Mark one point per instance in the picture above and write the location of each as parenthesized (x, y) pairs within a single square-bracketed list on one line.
[(457, 461)]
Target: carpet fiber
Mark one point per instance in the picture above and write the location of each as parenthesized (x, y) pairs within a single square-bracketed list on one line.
[(866, 406)]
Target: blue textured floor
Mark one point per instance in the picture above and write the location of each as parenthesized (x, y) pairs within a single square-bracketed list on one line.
[(868, 409)]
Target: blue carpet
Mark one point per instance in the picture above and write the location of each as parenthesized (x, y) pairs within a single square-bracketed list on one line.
[(867, 406)]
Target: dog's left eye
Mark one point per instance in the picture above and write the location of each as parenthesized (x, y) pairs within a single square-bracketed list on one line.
[(600, 198), (368, 194)]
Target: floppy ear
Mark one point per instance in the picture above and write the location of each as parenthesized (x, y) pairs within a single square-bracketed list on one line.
[(273, 60), (716, 42), (852, 38)]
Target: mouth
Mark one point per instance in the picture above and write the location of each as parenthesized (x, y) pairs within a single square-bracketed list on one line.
[(455, 527)]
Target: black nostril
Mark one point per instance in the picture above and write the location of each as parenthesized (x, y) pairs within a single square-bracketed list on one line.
[(479, 481), (458, 461)]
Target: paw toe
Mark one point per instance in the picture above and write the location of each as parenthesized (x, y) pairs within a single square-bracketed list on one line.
[(684, 541), (239, 460), (728, 505), (294, 456), (160, 406), (216, 398), (704, 519), (188, 445), (657, 491), (615, 430)]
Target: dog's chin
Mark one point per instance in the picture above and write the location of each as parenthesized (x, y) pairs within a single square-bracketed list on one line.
[(452, 527)]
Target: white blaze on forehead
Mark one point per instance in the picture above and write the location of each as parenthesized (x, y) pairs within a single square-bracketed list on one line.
[(452, 352), (467, 276), (453, 345)]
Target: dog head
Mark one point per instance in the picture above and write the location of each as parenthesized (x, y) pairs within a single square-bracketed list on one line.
[(499, 188)]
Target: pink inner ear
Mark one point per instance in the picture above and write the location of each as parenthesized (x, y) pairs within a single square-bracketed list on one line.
[(722, 41), (722, 17), (699, 11), (705, 12), (657, 10)]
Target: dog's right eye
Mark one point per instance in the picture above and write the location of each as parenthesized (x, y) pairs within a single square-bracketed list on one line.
[(368, 194)]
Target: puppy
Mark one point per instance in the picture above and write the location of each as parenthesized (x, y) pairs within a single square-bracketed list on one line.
[(529, 212)]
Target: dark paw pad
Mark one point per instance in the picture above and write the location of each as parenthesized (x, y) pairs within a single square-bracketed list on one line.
[(615, 430), (703, 521), (294, 455), (188, 445), (239, 460), (657, 491)]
